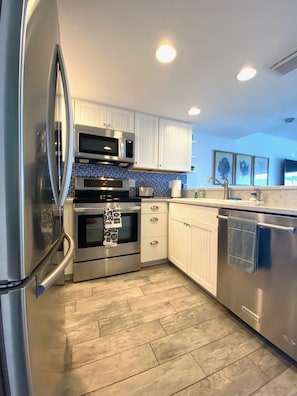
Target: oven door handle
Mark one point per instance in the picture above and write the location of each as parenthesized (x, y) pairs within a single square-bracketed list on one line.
[(130, 209)]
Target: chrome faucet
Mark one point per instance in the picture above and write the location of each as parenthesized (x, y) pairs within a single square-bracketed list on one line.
[(225, 185)]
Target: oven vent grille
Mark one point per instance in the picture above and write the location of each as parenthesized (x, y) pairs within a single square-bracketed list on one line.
[(286, 65)]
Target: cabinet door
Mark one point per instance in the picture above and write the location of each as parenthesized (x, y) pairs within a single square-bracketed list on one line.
[(91, 114), (146, 141), (179, 242), (101, 116), (120, 119), (175, 146), (204, 252), (193, 244)]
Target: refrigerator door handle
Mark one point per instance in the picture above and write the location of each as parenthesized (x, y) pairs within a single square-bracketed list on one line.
[(53, 276), (57, 66), (69, 129), (50, 126)]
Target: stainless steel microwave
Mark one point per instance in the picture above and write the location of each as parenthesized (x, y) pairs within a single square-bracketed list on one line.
[(103, 146)]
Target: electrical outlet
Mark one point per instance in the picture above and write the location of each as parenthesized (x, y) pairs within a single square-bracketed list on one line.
[(131, 183), (170, 184)]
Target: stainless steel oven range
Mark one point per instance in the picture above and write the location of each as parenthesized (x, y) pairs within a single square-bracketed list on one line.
[(95, 257)]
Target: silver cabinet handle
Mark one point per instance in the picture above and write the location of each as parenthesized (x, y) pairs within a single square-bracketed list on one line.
[(154, 219), (53, 276), (154, 243), (155, 207)]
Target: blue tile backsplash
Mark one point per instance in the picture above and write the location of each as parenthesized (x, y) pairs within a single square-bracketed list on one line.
[(159, 181)]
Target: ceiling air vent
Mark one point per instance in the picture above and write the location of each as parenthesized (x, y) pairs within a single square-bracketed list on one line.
[(286, 65)]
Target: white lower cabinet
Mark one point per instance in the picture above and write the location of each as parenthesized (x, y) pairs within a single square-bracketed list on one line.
[(193, 242), (154, 224)]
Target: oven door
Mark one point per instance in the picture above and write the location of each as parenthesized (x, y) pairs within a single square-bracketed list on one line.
[(89, 230)]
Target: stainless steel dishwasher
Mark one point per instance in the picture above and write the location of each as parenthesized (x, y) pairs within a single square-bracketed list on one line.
[(267, 299)]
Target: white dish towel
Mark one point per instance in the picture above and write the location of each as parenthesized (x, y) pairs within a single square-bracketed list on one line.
[(112, 219)]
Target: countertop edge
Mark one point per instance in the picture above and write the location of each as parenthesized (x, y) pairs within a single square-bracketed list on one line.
[(161, 199), (251, 208), (189, 201)]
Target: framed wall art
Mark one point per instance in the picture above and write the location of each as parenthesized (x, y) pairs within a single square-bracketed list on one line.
[(223, 166), (243, 170), (260, 171)]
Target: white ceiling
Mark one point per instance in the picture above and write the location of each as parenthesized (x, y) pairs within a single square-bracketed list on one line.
[(109, 48)]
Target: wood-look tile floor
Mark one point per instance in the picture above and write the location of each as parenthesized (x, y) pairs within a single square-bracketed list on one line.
[(155, 332)]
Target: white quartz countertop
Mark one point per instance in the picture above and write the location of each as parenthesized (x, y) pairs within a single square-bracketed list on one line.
[(235, 204), (228, 204), (223, 203)]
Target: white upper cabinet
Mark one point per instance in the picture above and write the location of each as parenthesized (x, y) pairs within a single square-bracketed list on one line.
[(175, 146), (146, 141), (101, 116), (162, 144)]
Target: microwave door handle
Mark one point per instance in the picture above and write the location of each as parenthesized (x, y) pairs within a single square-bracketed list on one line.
[(69, 129), (54, 275), (50, 126)]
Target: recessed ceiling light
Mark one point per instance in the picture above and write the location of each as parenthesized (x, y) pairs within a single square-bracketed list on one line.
[(194, 111), (166, 53), (246, 73)]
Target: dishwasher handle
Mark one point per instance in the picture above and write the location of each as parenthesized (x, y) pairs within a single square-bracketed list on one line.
[(291, 230)]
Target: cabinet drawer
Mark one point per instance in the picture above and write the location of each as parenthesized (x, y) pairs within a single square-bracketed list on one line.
[(197, 214), (153, 248), (153, 224), (154, 207)]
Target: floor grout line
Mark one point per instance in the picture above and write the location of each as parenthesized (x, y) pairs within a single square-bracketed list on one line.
[(160, 276)]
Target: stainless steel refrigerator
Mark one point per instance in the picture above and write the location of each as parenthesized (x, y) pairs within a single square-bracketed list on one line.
[(35, 170)]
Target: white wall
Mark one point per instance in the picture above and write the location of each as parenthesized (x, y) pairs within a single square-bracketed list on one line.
[(259, 144)]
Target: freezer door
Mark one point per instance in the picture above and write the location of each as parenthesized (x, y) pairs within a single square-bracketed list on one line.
[(34, 341), (33, 349)]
